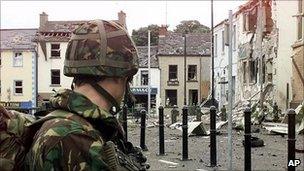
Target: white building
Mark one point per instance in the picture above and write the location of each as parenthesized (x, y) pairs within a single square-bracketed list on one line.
[(221, 51), (140, 81), (278, 33)]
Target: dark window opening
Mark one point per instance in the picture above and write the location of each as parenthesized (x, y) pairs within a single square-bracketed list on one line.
[(193, 97), (144, 77), (172, 72), (55, 77), (171, 97), (244, 72), (18, 87), (55, 50), (192, 73), (253, 68)]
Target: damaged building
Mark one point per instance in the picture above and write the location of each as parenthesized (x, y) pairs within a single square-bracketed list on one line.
[(263, 44)]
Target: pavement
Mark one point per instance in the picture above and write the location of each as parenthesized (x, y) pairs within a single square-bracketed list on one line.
[(272, 156)]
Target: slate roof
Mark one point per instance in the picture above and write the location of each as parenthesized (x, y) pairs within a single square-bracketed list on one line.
[(17, 39), (196, 44), (59, 31), (143, 56)]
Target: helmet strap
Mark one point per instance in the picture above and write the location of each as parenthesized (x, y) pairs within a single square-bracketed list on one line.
[(115, 108)]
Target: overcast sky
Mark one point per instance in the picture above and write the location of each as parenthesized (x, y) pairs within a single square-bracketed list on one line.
[(25, 14)]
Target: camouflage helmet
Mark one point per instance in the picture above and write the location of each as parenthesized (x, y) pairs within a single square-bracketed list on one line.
[(100, 48)]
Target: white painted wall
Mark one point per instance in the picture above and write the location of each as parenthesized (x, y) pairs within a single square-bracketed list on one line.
[(221, 62), (9, 73), (287, 27), (45, 66)]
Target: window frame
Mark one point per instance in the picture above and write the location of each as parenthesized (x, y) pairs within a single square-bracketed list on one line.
[(15, 87), (52, 71), (55, 50), (15, 58), (166, 97), (194, 72), (142, 79), (173, 72)]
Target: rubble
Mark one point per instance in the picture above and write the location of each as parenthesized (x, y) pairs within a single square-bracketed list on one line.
[(194, 128)]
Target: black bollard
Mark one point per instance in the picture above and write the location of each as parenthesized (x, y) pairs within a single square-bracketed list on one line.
[(247, 136), (143, 130), (291, 137), (161, 131), (124, 122), (212, 136), (185, 133)]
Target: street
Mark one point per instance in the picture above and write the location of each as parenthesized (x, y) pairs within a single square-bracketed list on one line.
[(273, 156)]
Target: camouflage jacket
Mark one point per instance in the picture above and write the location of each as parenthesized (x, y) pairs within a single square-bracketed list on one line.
[(74, 139)]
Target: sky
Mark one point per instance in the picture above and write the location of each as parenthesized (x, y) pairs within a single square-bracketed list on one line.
[(25, 14)]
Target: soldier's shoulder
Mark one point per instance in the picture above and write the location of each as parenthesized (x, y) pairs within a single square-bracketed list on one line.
[(62, 123)]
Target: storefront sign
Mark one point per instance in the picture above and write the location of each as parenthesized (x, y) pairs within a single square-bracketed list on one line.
[(143, 90)]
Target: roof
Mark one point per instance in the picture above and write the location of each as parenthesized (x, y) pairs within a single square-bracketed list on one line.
[(197, 44), (59, 31), (17, 39), (143, 56)]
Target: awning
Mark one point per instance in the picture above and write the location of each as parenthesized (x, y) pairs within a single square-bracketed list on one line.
[(143, 90)]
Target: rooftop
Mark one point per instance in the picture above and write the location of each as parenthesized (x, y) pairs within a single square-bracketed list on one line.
[(196, 44), (19, 39)]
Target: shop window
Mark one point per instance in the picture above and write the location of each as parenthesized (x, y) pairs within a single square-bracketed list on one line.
[(172, 72), (192, 74), (55, 77), (144, 77), (18, 87), (171, 97), (55, 50), (18, 59)]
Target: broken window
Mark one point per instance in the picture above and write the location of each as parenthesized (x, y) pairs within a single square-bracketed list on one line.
[(171, 97), (244, 72), (144, 77), (18, 59), (268, 17), (253, 68), (263, 70), (192, 73), (193, 97), (250, 19), (172, 72), (18, 88), (55, 77), (55, 50)]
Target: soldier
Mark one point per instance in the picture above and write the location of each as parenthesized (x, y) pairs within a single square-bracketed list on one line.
[(84, 133)]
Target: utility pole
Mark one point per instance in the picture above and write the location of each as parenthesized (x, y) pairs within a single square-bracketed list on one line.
[(149, 74), (185, 70), (230, 93), (260, 27), (212, 57)]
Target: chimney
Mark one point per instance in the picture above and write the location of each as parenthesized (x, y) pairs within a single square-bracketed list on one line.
[(162, 32), (122, 18), (44, 18)]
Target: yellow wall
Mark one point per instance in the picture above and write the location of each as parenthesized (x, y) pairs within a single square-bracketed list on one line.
[(9, 73)]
